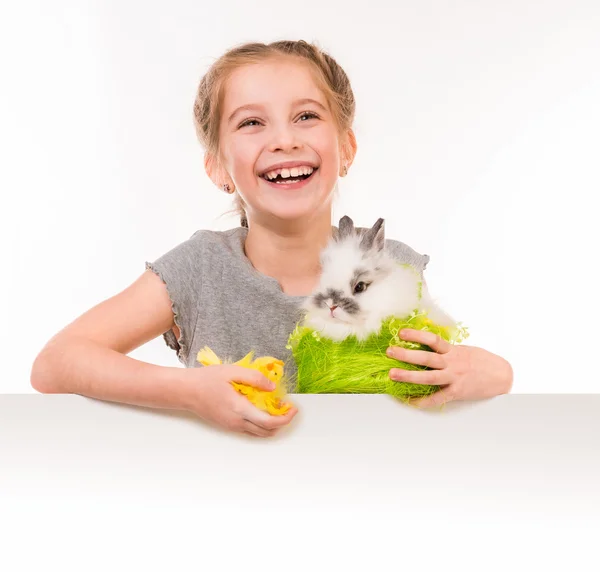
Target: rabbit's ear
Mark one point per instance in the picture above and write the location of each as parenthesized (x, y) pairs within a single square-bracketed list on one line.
[(346, 227), (374, 238)]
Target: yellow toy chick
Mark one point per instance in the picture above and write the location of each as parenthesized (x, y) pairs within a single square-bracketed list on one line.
[(270, 367)]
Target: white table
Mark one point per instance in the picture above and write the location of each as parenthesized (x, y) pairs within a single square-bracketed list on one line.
[(356, 482)]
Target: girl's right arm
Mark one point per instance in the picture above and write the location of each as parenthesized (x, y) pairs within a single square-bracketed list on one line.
[(88, 357)]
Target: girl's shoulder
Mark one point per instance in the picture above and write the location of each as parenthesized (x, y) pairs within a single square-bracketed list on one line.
[(184, 269), (202, 250), (205, 245), (205, 238)]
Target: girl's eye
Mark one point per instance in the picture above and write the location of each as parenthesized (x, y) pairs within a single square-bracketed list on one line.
[(302, 118), (309, 115), (249, 123), (360, 287)]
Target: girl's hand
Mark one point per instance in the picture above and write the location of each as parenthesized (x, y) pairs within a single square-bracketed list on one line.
[(462, 372), (213, 398)]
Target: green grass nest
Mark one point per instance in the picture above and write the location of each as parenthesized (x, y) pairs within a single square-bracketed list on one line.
[(353, 366)]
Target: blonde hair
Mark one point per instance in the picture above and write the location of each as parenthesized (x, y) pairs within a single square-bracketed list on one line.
[(330, 77)]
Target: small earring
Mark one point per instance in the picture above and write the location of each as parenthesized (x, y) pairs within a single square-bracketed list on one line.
[(345, 172), (227, 188)]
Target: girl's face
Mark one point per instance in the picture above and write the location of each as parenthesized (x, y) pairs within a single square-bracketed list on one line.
[(279, 142)]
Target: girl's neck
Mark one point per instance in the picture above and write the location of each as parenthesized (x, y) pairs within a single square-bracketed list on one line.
[(289, 254)]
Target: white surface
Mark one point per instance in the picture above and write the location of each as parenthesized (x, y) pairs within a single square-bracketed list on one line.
[(355, 483), (477, 126)]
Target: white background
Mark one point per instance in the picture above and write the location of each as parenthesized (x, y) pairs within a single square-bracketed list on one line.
[(478, 128), (354, 483)]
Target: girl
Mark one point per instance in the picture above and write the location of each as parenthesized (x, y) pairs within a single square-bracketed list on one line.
[(276, 124)]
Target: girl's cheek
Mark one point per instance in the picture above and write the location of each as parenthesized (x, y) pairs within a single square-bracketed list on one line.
[(241, 154)]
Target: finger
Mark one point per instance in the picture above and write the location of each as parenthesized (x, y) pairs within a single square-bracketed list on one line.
[(435, 342), (250, 377), (278, 421), (440, 397), (417, 357), (253, 429), (266, 420), (429, 377)]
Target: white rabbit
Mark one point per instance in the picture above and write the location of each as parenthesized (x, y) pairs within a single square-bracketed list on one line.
[(361, 285)]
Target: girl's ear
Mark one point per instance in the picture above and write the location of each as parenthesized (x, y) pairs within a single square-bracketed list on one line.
[(216, 172), (348, 151), (210, 166)]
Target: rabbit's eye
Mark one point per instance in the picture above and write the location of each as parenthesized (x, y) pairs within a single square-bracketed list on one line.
[(360, 287)]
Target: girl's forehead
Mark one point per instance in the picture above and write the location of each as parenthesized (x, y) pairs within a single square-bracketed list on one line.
[(271, 82)]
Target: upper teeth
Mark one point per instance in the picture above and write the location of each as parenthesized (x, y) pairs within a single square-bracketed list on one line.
[(286, 173)]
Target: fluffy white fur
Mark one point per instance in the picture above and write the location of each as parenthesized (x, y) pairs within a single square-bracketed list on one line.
[(393, 290)]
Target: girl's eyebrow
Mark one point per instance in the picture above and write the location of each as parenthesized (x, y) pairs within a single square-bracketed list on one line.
[(248, 107), (254, 106), (309, 100)]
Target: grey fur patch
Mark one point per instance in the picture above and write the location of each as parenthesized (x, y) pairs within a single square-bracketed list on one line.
[(357, 274), (374, 237), (338, 299), (346, 226), (330, 293), (356, 277), (318, 299), (350, 306)]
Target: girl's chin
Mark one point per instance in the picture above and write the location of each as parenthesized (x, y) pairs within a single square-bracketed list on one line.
[(292, 214), (291, 208), (292, 203)]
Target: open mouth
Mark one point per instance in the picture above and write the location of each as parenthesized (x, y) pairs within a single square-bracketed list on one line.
[(289, 176)]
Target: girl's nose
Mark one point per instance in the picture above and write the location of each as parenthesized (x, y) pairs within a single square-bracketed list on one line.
[(285, 140)]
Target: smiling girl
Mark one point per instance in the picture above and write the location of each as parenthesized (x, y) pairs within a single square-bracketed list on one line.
[(276, 124)]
